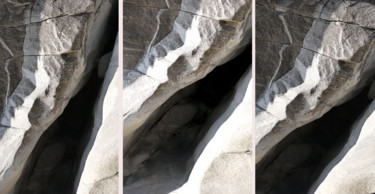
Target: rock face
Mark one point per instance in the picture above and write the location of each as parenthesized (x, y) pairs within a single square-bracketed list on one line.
[(222, 158), (172, 121), (48, 51), (356, 156), (311, 57), (99, 165), (184, 42)]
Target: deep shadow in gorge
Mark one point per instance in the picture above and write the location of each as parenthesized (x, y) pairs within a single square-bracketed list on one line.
[(222, 80), (53, 165), (57, 155), (294, 164), (160, 156)]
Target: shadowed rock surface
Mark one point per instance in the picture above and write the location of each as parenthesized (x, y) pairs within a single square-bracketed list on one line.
[(49, 51), (187, 107), (311, 57)]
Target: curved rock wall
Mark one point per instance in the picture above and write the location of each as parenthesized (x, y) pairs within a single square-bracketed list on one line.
[(186, 93), (99, 164), (312, 56), (351, 170), (169, 121), (49, 49), (320, 59), (222, 159), (177, 50)]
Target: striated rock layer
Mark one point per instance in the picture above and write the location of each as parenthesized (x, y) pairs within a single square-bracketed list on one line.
[(311, 57), (48, 50), (170, 117)]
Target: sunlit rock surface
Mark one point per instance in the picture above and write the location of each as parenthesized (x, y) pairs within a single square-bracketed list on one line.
[(48, 50), (170, 48), (311, 56), (99, 165), (352, 170)]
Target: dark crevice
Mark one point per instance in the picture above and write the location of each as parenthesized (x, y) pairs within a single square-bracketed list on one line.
[(294, 164), (53, 165), (112, 29), (56, 157), (162, 155), (222, 79)]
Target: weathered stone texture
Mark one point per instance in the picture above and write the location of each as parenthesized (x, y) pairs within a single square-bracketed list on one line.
[(46, 58), (311, 56)]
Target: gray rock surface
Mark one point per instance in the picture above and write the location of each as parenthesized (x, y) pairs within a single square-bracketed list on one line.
[(319, 59), (183, 43), (48, 49), (169, 45), (311, 56)]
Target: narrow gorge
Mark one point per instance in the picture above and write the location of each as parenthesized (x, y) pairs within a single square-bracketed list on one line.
[(58, 64), (314, 96), (187, 97)]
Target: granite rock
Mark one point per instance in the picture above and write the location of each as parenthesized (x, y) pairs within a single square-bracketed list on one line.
[(48, 49), (99, 164), (351, 171), (313, 69), (169, 46), (312, 56)]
